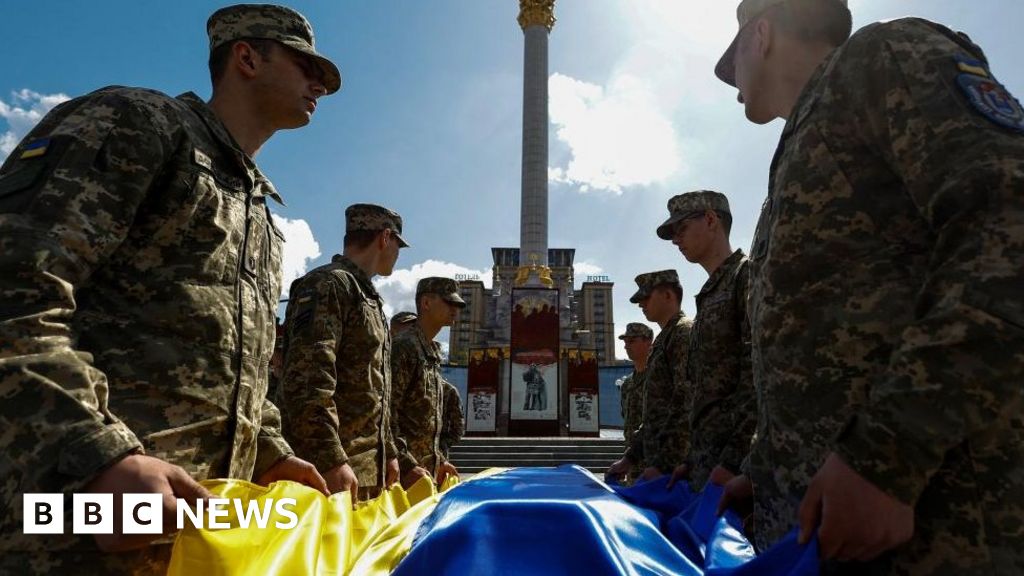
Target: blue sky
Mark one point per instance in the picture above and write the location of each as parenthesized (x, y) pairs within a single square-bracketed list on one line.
[(428, 120)]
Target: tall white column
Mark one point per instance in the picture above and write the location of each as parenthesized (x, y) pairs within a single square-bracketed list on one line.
[(533, 233), (536, 17)]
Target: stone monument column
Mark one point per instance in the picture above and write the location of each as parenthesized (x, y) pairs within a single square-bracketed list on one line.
[(536, 18)]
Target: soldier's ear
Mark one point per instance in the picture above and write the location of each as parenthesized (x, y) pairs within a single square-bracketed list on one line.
[(244, 58)]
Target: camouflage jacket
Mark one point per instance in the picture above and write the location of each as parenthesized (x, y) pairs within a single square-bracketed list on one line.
[(417, 409), (140, 275), (663, 440), (454, 419), (336, 390), (631, 400), (723, 408), (886, 309)]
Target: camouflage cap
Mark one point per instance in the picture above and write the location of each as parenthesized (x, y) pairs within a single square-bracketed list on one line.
[(403, 318), (651, 280), (374, 218), (446, 288), (271, 22), (747, 11), (637, 330), (690, 204)]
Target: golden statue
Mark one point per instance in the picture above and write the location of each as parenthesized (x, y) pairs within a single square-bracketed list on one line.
[(537, 13)]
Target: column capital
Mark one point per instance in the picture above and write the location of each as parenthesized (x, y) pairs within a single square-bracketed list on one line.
[(536, 13)]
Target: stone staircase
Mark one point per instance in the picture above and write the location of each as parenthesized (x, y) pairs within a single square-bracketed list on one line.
[(474, 454)]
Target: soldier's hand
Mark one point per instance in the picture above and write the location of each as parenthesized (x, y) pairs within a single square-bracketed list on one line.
[(682, 472), (139, 474), (650, 473), (295, 469), (412, 476), (342, 478), (444, 470), (618, 469), (720, 476), (391, 473), (858, 521), (737, 495)]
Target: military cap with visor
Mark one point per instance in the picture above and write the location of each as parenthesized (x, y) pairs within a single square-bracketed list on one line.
[(637, 330), (446, 288), (690, 205), (746, 12), (271, 22), (403, 318), (646, 283), (374, 218)]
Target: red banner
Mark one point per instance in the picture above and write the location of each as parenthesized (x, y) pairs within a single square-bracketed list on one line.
[(534, 377), (584, 386), (482, 390)]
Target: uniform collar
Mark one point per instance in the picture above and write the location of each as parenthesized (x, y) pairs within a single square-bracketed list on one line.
[(431, 349), (810, 94), (723, 270), (672, 323), (364, 281), (260, 184)]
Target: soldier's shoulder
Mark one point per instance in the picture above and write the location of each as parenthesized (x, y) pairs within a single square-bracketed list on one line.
[(330, 274), (405, 344), (906, 38), (161, 110), (684, 323), (135, 112)]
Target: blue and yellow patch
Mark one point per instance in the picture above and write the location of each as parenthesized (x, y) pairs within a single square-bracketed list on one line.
[(990, 98), (34, 148)]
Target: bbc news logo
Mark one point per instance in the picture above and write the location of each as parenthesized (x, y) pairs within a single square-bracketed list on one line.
[(143, 514)]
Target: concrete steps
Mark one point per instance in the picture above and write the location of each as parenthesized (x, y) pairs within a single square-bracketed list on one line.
[(472, 455)]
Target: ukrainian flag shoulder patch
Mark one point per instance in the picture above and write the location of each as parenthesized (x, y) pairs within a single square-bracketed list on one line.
[(35, 148)]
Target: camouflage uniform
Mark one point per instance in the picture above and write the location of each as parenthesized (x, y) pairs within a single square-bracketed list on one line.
[(886, 297), (454, 419), (631, 394), (722, 406), (140, 274), (336, 391), (418, 408), (662, 440)]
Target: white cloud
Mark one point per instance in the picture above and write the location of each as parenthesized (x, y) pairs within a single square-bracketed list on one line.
[(299, 249), (26, 109), (586, 268), (581, 270), (617, 136), (399, 289)]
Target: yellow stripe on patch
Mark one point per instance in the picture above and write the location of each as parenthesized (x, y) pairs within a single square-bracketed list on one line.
[(32, 153), (976, 70)]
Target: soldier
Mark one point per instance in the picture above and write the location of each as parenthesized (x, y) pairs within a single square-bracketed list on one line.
[(886, 305), (720, 389), (453, 419), (418, 406), (139, 271), (401, 322), (662, 441), (336, 394), (637, 339)]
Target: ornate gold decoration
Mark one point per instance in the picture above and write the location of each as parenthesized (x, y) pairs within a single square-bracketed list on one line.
[(536, 13), (543, 273)]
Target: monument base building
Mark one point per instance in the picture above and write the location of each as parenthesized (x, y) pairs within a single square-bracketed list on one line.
[(533, 350)]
